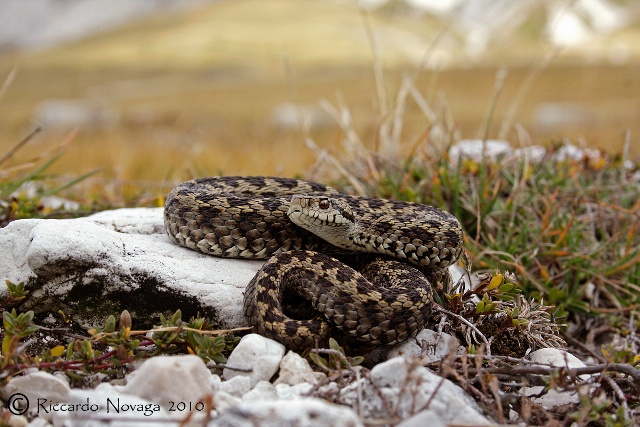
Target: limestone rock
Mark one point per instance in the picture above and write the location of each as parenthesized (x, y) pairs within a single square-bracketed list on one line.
[(258, 353), (554, 357), (294, 370), (236, 386), (264, 390), (35, 387), (407, 386), (301, 413), (99, 265), (108, 406), (165, 379)]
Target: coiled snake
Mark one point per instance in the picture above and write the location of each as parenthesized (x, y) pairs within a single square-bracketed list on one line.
[(298, 225)]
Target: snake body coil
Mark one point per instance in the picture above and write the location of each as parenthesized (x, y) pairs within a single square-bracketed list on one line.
[(298, 225)]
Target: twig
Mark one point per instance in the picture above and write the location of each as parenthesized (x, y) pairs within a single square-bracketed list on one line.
[(620, 395), (433, 395), (233, 368), (583, 346), (471, 325)]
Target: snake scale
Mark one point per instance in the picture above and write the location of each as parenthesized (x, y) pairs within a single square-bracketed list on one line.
[(302, 228)]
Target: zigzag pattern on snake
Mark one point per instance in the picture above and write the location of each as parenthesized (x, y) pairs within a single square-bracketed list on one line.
[(298, 225)]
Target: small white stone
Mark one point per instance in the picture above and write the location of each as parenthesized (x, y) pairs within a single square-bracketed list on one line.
[(215, 382), (555, 357), (422, 419), (225, 401), (110, 406), (286, 391), (264, 390), (34, 386), (236, 386), (294, 370), (301, 413), (258, 353), (391, 373), (427, 343), (558, 358), (408, 386), (165, 379), (16, 421), (39, 422), (552, 398)]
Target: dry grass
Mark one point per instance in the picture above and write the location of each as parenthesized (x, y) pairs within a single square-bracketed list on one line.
[(175, 123), (196, 92)]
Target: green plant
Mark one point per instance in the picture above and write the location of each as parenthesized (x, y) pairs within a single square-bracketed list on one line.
[(599, 411), (16, 328), (336, 358), (88, 354), (173, 336)]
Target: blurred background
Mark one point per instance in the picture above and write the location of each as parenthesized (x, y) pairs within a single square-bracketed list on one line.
[(163, 90)]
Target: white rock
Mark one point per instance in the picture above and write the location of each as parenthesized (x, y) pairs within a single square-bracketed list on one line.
[(422, 419), (300, 413), (165, 379), (554, 357), (294, 370), (293, 116), (236, 386), (264, 390), (66, 113), (55, 202), (287, 392), (224, 401), (113, 408), (427, 343), (258, 353), (16, 420), (37, 387), (115, 256), (215, 382), (558, 358), (39, 422), (474, 149), (407, 386)]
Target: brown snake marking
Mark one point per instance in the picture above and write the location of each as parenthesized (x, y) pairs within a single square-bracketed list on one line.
[(385, 303)]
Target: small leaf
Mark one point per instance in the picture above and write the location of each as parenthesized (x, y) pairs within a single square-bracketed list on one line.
[(495, 282), (57, 351), (6, 344), (506, 288), (355, 361), (27, 317), (9, 319)]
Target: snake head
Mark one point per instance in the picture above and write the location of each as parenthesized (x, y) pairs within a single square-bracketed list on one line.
[(329, 218)]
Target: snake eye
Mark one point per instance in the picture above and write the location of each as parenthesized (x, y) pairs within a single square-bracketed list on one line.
[(324, 204)]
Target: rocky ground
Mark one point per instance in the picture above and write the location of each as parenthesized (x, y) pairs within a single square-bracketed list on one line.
[(94, 266)]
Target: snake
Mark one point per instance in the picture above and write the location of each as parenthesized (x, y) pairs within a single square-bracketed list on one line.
[(365, 266)]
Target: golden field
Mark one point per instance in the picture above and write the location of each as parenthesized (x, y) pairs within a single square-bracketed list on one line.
[(195, 94)]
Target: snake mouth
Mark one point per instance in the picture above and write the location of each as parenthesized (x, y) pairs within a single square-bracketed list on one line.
[(297, 203)]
